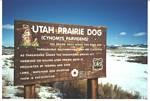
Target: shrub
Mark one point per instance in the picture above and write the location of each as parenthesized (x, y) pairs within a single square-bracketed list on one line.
[(72, 89), (109, 91), (138, 59), (78, 89)]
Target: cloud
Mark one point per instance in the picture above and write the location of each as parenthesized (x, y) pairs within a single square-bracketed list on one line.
[(139, 34), (123, 33), (8, 27)]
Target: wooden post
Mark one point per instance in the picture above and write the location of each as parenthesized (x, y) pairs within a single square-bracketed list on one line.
[(29, 91), (92, 88)]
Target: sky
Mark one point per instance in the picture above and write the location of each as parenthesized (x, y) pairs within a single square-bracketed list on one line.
[(126, 20)]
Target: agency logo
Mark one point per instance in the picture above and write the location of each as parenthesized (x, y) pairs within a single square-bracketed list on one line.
[(97, 63)]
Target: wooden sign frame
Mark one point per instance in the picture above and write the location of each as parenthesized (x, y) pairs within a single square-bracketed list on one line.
[(46, 53)]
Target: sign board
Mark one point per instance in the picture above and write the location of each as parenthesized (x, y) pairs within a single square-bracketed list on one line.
[(46, 52)]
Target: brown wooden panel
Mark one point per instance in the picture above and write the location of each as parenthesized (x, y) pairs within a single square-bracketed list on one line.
[(46, 52)]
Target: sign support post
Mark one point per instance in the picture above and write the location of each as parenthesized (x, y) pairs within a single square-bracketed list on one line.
[(92, 88), (29, 91)]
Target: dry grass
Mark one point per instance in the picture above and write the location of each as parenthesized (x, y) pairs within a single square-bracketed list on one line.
[(109, 91), (19, 94), (75, 89), (138, 59), (78, 90), (72, 89)]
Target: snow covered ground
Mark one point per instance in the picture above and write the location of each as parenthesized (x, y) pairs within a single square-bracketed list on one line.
[(17, 92), (128, 75), (131, 76)]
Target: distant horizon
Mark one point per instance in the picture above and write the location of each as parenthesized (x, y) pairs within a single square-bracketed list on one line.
[(106, 45), (126, 20)]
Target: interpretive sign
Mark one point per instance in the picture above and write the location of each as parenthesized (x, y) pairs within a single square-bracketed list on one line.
[(46, 52)]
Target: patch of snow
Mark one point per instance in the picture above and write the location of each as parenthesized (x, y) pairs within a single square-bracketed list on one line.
[(129, 76), (7, 72), (48, 93), (136, 48), (11, 92)]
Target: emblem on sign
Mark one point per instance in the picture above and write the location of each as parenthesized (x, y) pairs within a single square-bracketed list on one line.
[(97, 63), (74, 73), (27, 37)]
